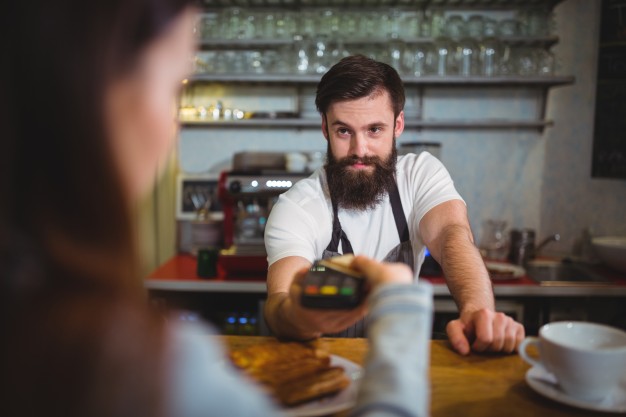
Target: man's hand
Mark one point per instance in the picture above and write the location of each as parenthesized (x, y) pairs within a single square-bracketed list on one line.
[(485, 331), (321, 321)]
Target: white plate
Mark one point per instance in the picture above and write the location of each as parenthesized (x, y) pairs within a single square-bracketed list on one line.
[(509, 271), (329, 405), (615, 402)]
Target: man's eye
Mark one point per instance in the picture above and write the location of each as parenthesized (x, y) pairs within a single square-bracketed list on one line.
[(375, 129), (343, 131)]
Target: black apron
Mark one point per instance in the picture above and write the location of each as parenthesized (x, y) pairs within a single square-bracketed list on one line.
[(403, 252)]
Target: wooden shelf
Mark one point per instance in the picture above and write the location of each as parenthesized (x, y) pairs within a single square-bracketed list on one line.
[(306, 123), (541, 81), (242, 44), (467, 4)]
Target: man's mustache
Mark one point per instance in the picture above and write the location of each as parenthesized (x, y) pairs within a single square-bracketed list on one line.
[(365, 160)]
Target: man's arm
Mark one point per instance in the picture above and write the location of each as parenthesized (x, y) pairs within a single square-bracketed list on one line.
[(446, 232), (283, 313), (278, 308)]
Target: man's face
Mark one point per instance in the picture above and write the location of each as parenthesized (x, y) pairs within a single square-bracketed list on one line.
[(361, 149), (361, 128)]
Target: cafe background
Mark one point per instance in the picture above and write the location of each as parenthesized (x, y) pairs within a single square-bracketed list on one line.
[(541, 180), (531, 175)]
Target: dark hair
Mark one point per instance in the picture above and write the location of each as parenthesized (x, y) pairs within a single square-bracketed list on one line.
[(68, 253), (358, 76), (61, 194)]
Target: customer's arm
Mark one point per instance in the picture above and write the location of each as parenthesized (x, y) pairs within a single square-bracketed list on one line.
[(201, 381), (399, 325), (446, 232), (395, 383)]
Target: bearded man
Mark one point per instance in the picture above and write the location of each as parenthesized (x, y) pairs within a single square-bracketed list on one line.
[(366, 200)]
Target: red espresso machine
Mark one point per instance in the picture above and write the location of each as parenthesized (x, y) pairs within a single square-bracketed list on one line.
[(247, 197)]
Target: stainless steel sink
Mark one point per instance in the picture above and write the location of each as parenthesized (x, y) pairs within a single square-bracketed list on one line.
[(558, 273)]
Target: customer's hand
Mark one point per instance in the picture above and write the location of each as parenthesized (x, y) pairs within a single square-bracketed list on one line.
[(484, 331), (378, 273)]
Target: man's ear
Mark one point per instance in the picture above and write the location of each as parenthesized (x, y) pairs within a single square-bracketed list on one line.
[(324, 126), (399, 127)]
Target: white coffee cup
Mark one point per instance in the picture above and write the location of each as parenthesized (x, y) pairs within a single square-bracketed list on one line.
[(587, 359)]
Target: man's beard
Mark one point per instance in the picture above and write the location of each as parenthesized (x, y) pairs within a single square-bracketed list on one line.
[(360, 189)]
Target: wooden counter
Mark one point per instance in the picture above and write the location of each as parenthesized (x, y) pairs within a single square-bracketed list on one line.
[(476, 385)]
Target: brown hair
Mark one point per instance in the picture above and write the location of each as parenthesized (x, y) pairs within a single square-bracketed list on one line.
[(358, 76), (68, 257)]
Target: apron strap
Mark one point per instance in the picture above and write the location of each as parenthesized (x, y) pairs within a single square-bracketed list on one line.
[(398, 213), (338, 235)]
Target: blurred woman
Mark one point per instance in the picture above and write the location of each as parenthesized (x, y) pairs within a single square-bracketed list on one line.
[(87, 112)]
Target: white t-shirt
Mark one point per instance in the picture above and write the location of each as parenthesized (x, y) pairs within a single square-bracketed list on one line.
[(300, 223)]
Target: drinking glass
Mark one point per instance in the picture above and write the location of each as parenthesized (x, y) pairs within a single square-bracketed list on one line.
[(350, 25), (490, 28), (256, 62), (391, 28), (525, 61), (434, 24), (248, 25), (455, 27), (329, 23), (494, 241), (396, 51), (220, 62), (209, 26), (269, 26), (279, 25), (467, 53), (536, 21), (367, 25), (337, 51), (490, 53), (320, 54), (506, 61), (232, 26), (302, 48), (444, 57), (307, 23), (417, 60), (475, 26), (410, 25), (509, 27), (545, 62)]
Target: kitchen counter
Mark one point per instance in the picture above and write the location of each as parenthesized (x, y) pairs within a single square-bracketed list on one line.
[(179, 274), (475, 385)]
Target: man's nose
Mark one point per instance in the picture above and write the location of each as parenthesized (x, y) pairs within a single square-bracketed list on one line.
[(358, 145)]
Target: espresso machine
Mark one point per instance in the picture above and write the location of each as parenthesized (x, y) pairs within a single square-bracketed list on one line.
[(247, 196)]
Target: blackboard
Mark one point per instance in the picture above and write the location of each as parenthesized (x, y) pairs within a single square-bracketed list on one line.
[(609, 139)]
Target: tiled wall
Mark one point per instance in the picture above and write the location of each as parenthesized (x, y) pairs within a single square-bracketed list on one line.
[(527, 178)]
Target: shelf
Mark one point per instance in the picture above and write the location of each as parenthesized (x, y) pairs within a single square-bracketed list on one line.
[(469, 4), (540, 81), (242, 44), (307, 123)]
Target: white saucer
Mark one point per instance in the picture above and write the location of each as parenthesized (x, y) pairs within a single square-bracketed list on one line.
[(539, 380)]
